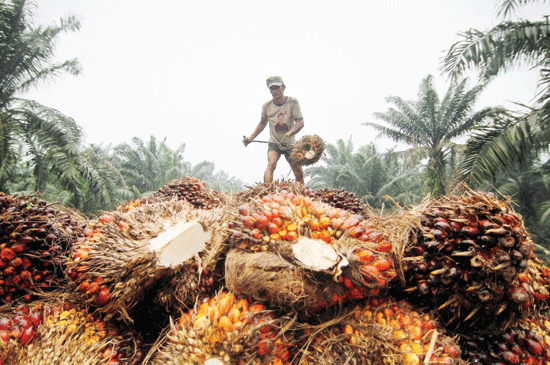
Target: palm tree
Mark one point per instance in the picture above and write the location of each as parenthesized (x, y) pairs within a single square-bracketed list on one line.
[(148, 165), (25, 54), (430, 125), (368, 173), (507, 45)]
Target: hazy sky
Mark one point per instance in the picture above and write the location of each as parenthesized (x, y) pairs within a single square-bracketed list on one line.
[(194, 72)]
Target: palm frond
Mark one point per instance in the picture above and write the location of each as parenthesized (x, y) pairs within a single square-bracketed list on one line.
[(498, 49), (495, 147)]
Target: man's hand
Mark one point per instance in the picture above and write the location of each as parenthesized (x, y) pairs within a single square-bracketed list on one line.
[(246, 141)]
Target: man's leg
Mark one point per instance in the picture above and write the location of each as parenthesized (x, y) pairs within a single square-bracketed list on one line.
[(298, 172), (272, 158)]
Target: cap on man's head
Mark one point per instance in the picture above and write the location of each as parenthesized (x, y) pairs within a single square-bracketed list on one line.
[(274, 81)]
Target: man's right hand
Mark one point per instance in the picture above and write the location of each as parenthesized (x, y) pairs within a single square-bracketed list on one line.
[(246, 141)]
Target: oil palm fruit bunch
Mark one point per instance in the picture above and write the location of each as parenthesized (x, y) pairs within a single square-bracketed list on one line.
[(35, 238), (525, 341), (319, 242), (226, 330), (380, 331), (133, 204), (308, 150), (198, 278), (275, 187), (192, 190), (270, 278), (471, 258), (339, 199), (126, 253), (62, 332)]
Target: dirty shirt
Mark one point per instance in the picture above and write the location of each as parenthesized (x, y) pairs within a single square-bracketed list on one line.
[(281, 118)]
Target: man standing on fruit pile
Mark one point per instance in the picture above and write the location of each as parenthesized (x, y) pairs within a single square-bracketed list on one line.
[(285, 120)]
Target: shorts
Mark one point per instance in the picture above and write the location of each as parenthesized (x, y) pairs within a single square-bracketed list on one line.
[(275, 147)]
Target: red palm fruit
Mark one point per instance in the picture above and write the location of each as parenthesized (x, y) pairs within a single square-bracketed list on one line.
[(5, 323), (269, 215), (350, 222), (103, 297), (249, 222), (106, 218), (292, 235), (370, 272), (37, 318), (18, 248), (244, 210), (16, 332), (262, 221), (356, 231), (510, 357), (278, 221), (382, 264), (365, 256), (28, 334), (16, 262), (533, 346), (286, 212), (123, 225), (470, 231), (256, 233), (272, 228), (7, 254), (384, 246), (5, 335)]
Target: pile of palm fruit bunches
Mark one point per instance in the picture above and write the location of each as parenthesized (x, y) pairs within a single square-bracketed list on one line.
[(278, 274)]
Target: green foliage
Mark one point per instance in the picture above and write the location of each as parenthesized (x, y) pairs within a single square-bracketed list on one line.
[(41, 149), (429, 125), (503, 143), (505, 155), (219, 180), (147, 166), (371, 175)]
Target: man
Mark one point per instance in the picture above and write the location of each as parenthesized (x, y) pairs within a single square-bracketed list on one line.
[(285, 120)]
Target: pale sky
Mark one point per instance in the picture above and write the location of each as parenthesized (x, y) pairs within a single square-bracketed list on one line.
[(194, 71)]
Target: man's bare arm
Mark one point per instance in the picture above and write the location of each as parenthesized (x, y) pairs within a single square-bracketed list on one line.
[(259, 128), (298, 125)]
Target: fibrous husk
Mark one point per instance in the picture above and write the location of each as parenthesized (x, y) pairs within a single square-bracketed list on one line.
[(194, 191), (379, 332), (129, 252), (525, 340), (203, 274), (57, 330), (471, 259), (267, 277), (226, 330), (35, 237), (308, 150)]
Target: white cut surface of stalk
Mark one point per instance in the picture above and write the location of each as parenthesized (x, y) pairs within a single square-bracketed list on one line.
[(179, 242), (310, 154), (213, 361), (315, 254)]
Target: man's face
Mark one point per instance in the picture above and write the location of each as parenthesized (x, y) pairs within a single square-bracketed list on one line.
[(277, 91)]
